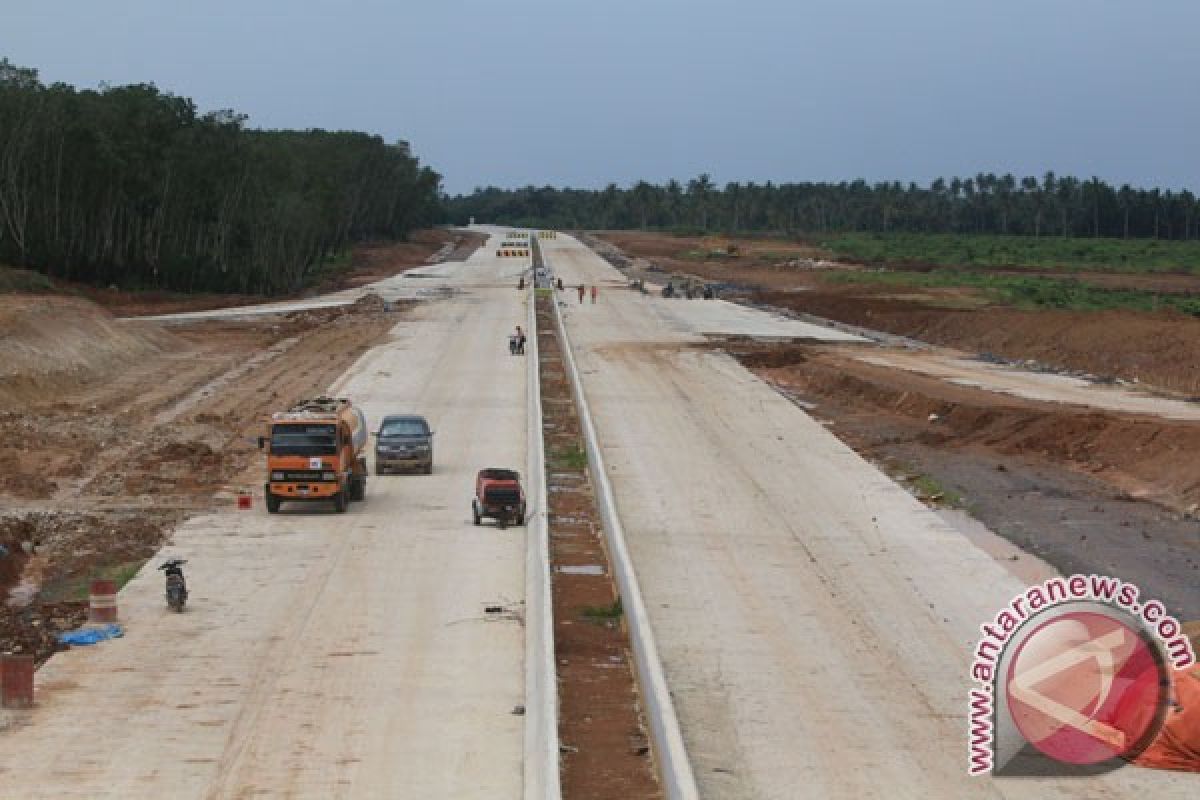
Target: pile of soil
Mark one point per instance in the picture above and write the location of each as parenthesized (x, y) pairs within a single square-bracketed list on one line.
[(50, 342), (69, 547), (35, 629)]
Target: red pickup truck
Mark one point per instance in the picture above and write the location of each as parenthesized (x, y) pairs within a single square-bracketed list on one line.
[(498, 496)]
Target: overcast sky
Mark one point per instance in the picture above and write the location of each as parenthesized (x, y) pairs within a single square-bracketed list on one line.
[(580, 93)]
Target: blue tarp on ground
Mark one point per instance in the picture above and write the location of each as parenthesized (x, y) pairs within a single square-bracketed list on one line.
[(91, 635)]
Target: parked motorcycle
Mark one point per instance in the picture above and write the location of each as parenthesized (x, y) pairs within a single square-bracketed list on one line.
[(176, 585)]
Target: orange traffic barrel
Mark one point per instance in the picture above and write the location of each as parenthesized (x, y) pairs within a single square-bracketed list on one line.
[(102, 602), (16, 681)]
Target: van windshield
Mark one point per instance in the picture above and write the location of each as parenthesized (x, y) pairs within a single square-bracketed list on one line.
[(304, 440), (403, 427)]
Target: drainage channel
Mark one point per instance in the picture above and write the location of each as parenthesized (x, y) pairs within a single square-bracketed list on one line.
[(606, 751)]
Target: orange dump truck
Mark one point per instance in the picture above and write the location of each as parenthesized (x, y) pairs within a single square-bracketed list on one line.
[(316, 452)]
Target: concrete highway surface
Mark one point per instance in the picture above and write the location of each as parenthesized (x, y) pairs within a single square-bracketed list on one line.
[(814, 620), (325, 655)]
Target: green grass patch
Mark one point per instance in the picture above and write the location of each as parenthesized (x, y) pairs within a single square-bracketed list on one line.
[(573, 457), (929, 490), (1027, 292), (603, 613), (76, 589), (1045, 252)]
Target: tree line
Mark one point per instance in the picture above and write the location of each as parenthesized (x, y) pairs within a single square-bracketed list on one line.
[(133, 186), (986, 203)]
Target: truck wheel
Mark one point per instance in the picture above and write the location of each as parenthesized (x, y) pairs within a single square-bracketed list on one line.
[(358, 487), (339, 502), (272, 504), (475, 515), (429, 468)]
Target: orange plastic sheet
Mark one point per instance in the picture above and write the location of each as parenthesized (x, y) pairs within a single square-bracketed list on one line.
[(1178, 743)]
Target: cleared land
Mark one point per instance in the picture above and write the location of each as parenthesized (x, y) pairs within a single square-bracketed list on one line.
[(1152, 347), (121, 429)]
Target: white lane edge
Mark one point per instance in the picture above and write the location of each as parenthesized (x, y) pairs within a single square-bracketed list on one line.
[(675, 770), (542, 773)]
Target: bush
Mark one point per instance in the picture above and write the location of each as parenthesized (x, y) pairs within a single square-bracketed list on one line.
[(24, 281)]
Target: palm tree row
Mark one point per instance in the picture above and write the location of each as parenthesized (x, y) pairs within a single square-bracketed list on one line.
[(986, 203)]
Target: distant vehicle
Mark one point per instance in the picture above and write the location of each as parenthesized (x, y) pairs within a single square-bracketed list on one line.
[(498, 496), (404, 441), (315, 452)]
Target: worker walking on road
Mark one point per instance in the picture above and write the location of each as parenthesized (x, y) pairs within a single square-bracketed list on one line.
[(594, 290), (582, 289)]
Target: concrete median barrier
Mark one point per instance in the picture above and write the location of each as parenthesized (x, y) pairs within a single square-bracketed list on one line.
[(675, 770)]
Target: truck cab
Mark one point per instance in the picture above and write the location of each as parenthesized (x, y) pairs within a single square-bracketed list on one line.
[(315, 454)]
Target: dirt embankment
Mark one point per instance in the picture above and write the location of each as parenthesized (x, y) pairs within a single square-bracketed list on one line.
[(1059, 481), (1156, 349), (49, 341), (115, 430), (1147, 457)]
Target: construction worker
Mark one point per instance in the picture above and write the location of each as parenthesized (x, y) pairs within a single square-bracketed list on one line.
[(582, 290), (594, 290)]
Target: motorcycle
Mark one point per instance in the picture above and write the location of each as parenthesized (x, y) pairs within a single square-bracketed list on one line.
[(176, 585)]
